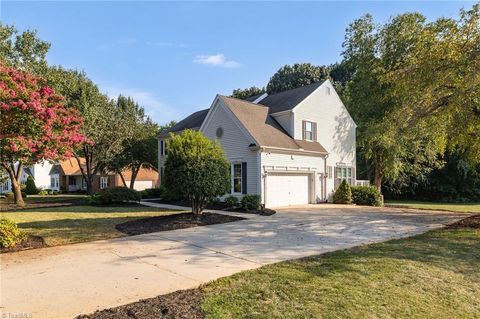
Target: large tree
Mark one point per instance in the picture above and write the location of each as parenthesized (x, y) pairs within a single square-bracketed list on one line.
[(390, 145), (196, 169), (35, 126), (23, 50), (248, 92), (293, 76), (103, 124), (140, 146)]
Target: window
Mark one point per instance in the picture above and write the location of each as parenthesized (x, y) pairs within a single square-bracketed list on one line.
[(84, 183), (103, 182), (161, 147), (54, 182), (72, 181), (237, 178), (330, 172), (309, 131), (343, 173)]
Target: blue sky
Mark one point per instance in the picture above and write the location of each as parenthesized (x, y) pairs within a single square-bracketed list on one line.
[(173, 57)]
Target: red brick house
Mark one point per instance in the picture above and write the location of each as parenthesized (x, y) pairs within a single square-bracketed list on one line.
[(66, 176)]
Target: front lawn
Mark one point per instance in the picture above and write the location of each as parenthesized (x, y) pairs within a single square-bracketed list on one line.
[(433, 275), (454, 207), (73, 224)]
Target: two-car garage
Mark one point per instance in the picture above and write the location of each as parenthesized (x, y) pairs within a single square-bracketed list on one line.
[(286, 189)]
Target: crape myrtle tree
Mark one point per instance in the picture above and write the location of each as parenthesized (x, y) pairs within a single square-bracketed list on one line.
[(35, 126), (196, 169)]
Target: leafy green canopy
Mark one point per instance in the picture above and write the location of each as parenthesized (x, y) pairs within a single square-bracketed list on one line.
[(248, 92), (196, 168)]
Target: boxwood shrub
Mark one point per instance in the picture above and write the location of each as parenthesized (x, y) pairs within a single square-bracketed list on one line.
[(343, 194), (366, 195), (231, 201), (10, 234), (251, 202), (115, 195)]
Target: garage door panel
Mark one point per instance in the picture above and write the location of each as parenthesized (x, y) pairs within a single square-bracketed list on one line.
[(141, 185), (287, 189)]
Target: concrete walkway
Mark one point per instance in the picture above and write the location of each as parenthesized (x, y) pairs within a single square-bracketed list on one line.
[(61, 282)]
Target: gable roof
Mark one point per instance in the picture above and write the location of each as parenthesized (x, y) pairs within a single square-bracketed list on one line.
[(287, 100), (253, 97), (264, 128), (193, 122)]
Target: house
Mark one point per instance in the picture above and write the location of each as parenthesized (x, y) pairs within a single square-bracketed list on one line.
[(39, 172), (293, 147), (67, 177)]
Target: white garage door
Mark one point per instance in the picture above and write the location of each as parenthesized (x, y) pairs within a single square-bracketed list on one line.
[(287, 189), (141, 185)]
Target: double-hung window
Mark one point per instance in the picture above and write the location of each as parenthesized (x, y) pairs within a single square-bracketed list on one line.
[(309, 131), (237, 178), (103, 182)]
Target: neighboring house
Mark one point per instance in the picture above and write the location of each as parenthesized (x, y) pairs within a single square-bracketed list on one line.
[(293, 147), (67, 177), (39, 172)]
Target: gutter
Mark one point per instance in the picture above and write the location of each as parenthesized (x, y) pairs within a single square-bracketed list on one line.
[(291, 150)]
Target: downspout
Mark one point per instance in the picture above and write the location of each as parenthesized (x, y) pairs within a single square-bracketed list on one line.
[(325, 179)]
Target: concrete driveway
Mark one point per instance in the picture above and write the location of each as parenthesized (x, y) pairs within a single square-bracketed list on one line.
[(61, 282)]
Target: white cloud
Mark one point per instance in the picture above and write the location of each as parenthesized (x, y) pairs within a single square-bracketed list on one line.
[(154, 107), (216, 60)]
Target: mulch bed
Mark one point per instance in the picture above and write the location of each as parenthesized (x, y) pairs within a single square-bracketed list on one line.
[(183, 304), (30, 242), (469, 222), (12, 206), (171, 222), (220, 206)]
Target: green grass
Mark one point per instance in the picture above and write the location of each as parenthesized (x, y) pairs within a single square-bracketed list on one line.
[(74, 224), (434, 275), (454, 207)]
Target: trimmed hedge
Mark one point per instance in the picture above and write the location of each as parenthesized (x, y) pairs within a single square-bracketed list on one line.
[(152, 192), (231, 201), (115, 195), (343, 194), (251, 202), (30, 187), (11, 197), (10, 234), (366, 195)]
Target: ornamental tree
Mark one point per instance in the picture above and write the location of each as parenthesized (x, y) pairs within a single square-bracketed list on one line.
[(35, 125), (196, 169)]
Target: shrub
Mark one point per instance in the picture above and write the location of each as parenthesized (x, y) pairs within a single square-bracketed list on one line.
[(196, 168), (115, 195), (55, 192), (251, 202), (366, 195), (31, 188), (43, 192), (231, 201), (343, 194), (10, 234), (152, 192), (214, 201)]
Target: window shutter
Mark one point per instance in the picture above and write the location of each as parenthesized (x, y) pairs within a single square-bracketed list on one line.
[(244, 178), (161, 147), (354, 176), (304, 126), (314, 131)]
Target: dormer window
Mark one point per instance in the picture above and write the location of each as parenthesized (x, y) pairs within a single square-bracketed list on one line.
[(309, 131)]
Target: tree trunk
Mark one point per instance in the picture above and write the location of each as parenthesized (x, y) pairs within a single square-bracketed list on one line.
[(197, 206), (15, 181), (123, 179), (135, 171), (377, 181)]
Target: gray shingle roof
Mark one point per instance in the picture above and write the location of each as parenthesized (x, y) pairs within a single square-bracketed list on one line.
[(287, 100), (264, 129), (253, 97), (193, 122)]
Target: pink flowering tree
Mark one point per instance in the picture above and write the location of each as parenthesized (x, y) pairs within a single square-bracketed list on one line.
[(35, 125)]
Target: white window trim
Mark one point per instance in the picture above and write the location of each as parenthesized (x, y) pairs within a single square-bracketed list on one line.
[(232, 170), (103, 182), (340, 176)]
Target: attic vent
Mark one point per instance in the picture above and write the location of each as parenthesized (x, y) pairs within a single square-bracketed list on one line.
[(328, 90), (219, 132)]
